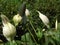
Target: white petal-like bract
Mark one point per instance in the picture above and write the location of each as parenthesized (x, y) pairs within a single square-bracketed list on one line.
[(27, 13), (44, 19), (9, 30), (17, 19), (56, 24)]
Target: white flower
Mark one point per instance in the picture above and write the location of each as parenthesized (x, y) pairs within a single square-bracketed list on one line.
[(43, 30), (17, 19), (27, 13), (9, 31), (56, 24), (44, 19)]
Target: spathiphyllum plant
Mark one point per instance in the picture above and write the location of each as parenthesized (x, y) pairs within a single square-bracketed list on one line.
[(27, 12), (17, 19), (30, 22), (44, 19), (9, 30), (56, 24)]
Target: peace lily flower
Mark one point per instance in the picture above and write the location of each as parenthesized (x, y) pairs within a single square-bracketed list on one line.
[(17, 19), (9, 31), (27, 13), (43, 30), (44, 19), (56, 24)]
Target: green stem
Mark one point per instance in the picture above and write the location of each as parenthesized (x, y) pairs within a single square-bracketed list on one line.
[(30, 31), (32, 26), (25, 40), (10, 43), (32, 35), (46, 40)]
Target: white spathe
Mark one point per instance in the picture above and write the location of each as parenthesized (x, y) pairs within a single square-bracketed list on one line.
[(27, 13), (56, 24), (44, 19), (17, 18), (9, 31)]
